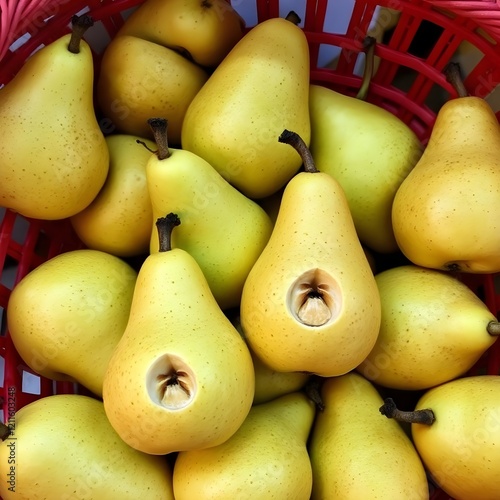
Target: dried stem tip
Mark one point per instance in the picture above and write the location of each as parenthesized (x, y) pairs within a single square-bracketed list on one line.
[(5, 431), (493, 328), (294, 140), (165, 226), (390, 410), (453, 76), (159, 128)]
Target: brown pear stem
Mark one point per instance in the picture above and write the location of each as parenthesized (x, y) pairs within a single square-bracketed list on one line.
[(5, 431), (165, 226), (159, 127), (390, 410), (493, 328), (312, 389), (294, 140), (453, 76), (79, 25), (369, 48), (293, 17)]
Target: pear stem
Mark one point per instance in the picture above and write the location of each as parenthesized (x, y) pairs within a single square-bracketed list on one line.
[(293, 17), (159, 127), (369, 47), (453, 76), (5, 431), (294, 140), (79, 25), (493, 328), (390, 410), (312, 390), (165, 226)]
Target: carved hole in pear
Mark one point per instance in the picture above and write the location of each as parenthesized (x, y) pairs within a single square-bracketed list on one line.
[(314, 299), (171, 383)]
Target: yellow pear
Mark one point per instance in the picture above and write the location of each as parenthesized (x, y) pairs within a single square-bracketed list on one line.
[(66, 316), (455, 428), (181, 377), (201, 30), (139, 79), (445, 213), (119, 219), (62, 446), (266, 458), (53, 155), (224, 230), (310, 302), (434, 328), (260, 88), (356, 454)]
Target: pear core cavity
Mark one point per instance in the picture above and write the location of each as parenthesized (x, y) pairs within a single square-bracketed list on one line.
[(171, 383), (314, 298)]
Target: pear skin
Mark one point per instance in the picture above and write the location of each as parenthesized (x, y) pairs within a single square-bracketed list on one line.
[(370, 152), (67, 315), (119, 219), (310, 302), (266, 458), (260, 88), (357, 453), (181, 377), (53, 156), (445, 213), (434, 328), (62, 446)]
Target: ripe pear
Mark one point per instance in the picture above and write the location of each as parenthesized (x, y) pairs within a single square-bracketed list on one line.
[(445, 212), (434, 328), (266, 458), (181, 377), (62, 446), (356, 454), (310, 302), (66, 316), (53, 155), (203, 31), (224, 230), (260, 88), (455, 429), (369, 151), (139, 79), (119, 219)]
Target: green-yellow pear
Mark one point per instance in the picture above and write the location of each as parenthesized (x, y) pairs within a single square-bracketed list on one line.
[(455, 428), (201, 30), (434, 328), (181, 377), (62, 446), (445, 213), (67, 315), (260, 88), (53, 155), (310, 302), (356, 454), (139, 79), (265, 459), (224, 230), (369, 151), (119, 219)]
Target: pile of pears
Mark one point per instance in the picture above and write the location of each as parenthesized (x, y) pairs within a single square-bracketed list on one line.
[(269, 300)]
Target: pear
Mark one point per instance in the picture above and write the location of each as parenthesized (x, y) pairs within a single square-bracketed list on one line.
[(354, 453), (119, 219), (455, 428), (266, 458), (446, 210), (203, 31), (434, 328), (62, 446), (181, 377), (260, 88), (369, 151), (66, 316), (212, 211), (53, 155), (139, 79), (310, 302)]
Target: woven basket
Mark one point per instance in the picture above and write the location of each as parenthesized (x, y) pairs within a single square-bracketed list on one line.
[(26, 25)]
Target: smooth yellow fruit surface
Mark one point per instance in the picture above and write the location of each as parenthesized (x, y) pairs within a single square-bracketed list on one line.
[(67, 315), (358, 453), (265, 459), (62, 446)]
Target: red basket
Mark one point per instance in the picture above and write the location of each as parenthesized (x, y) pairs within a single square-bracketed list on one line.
[(26, 25)]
